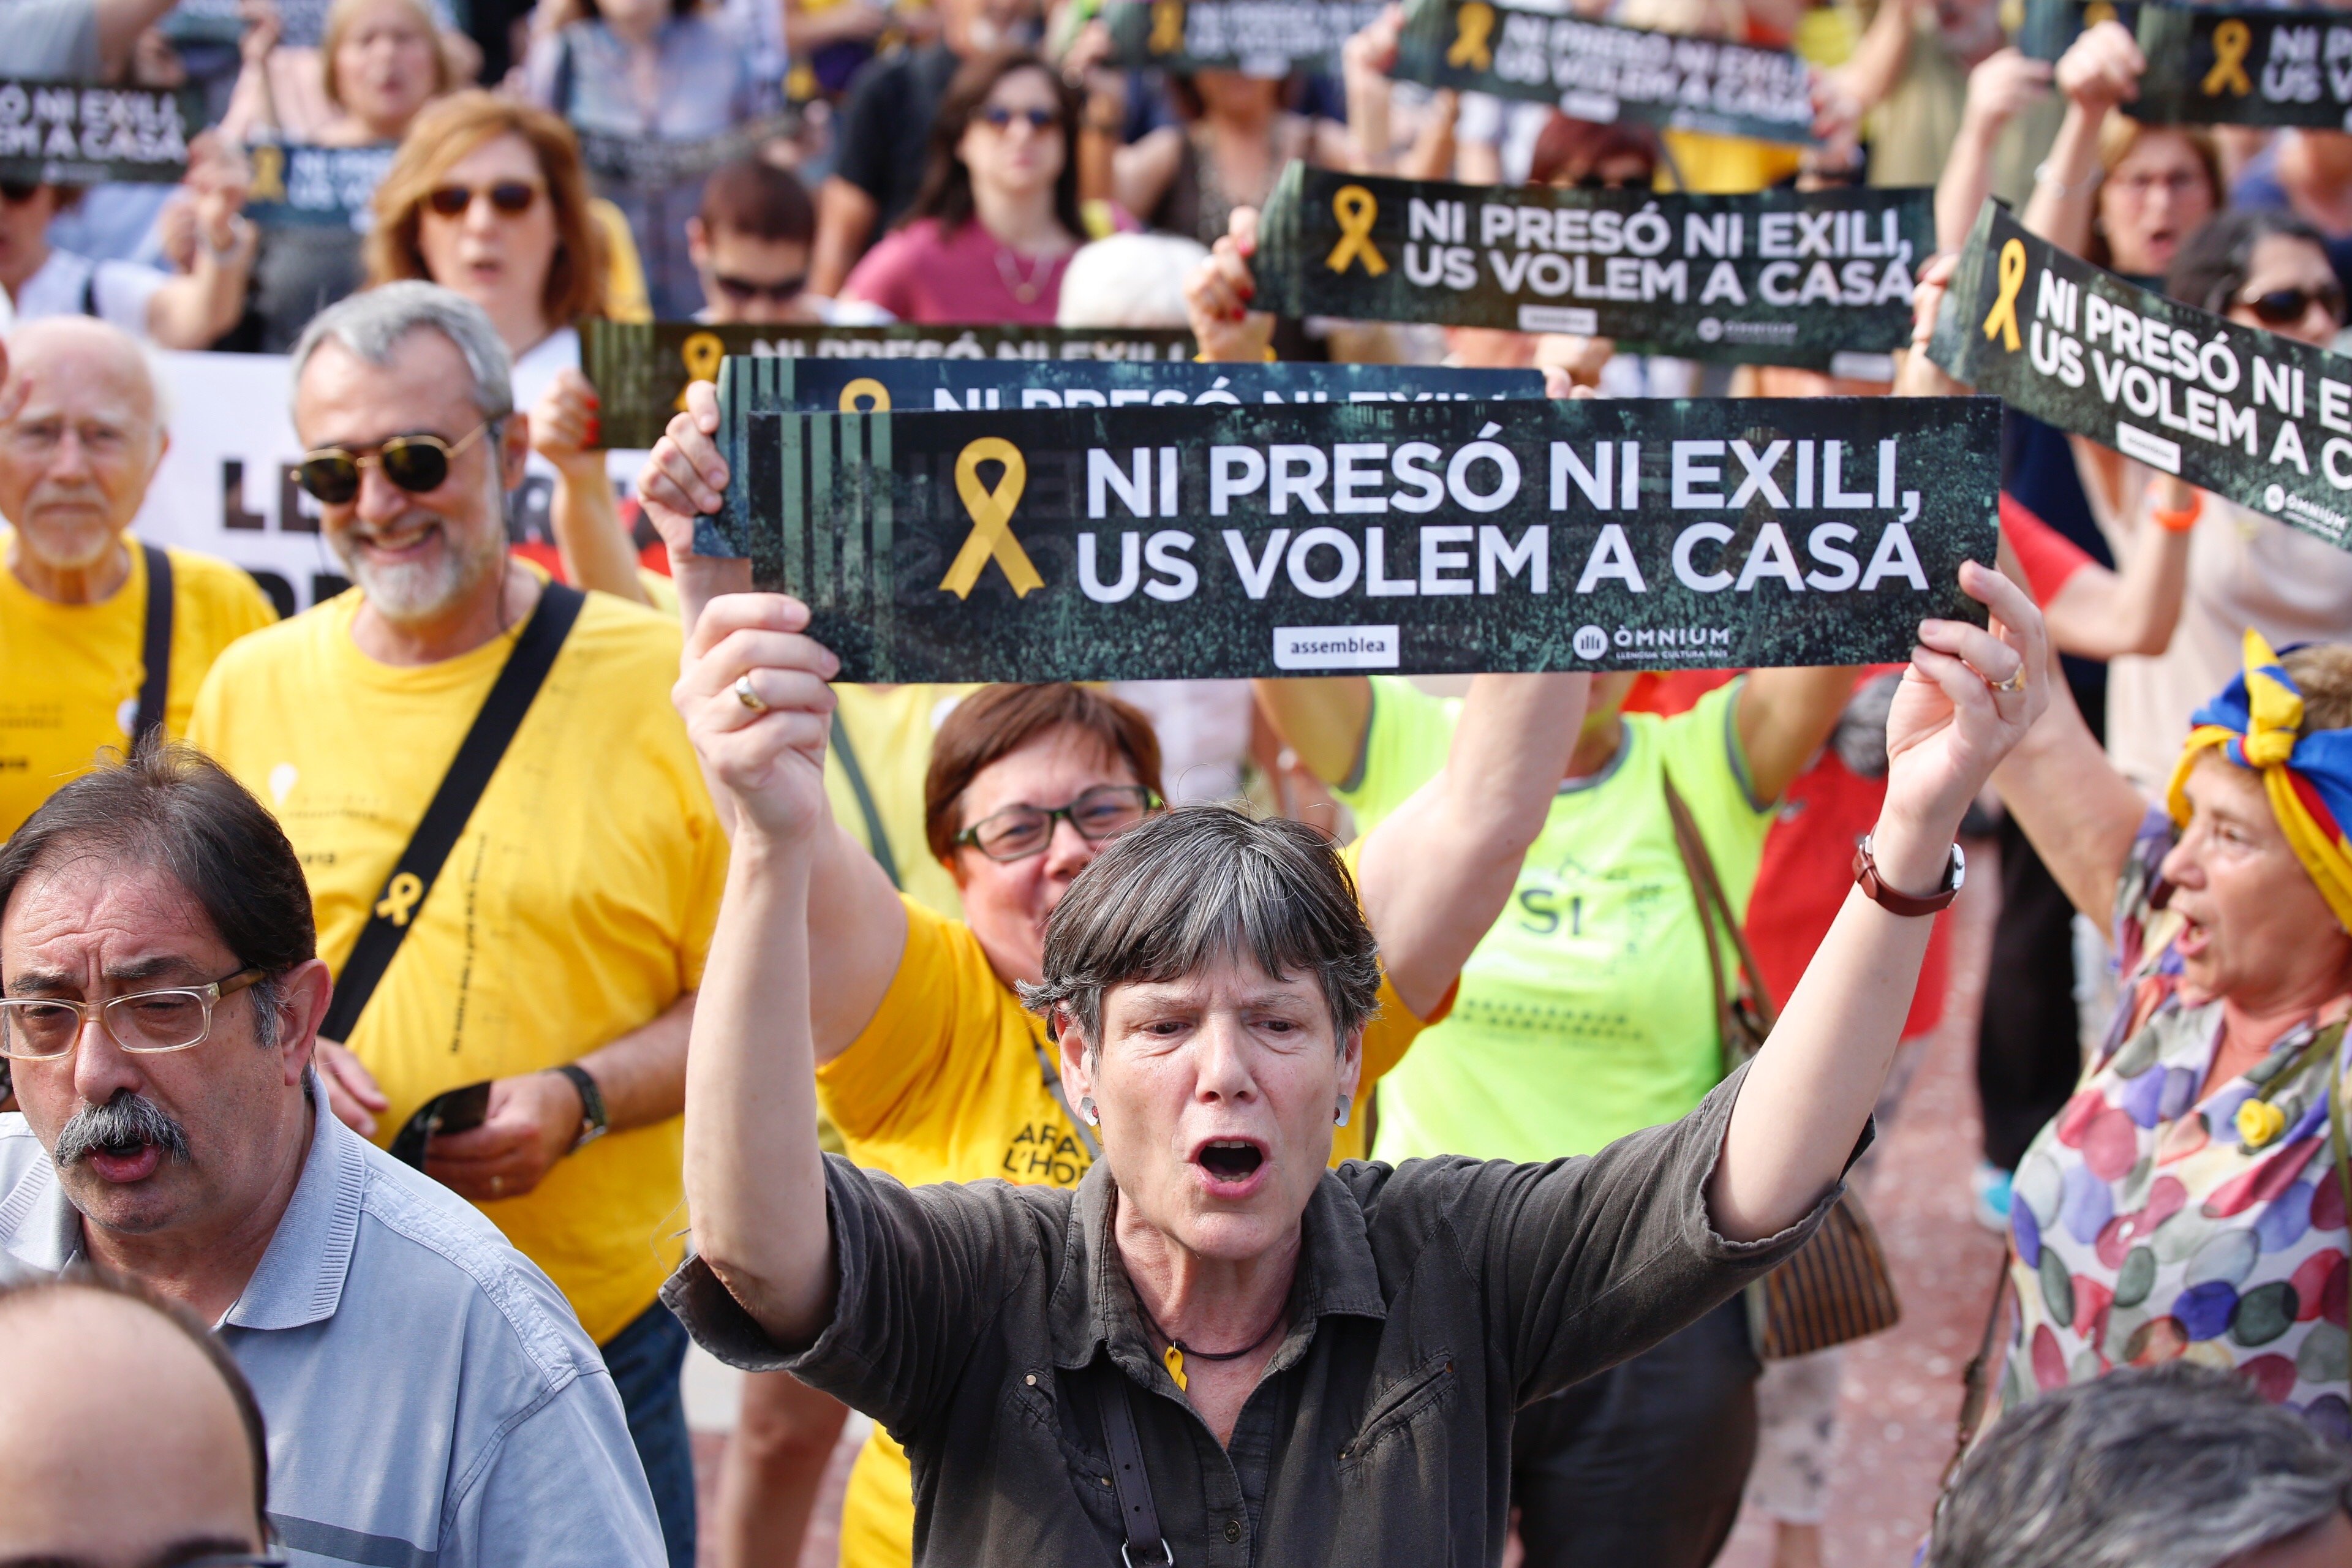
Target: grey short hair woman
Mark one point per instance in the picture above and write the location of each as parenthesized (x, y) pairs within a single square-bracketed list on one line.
[(1215, 1349)]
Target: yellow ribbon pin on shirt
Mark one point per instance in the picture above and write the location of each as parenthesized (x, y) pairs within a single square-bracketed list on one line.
[(864, 386), (991, 520), (1355, 208), (2231, 40), (1167, 27), (703, 351), (2000, 322), (400, 898), (269, 175), (1472, 26)]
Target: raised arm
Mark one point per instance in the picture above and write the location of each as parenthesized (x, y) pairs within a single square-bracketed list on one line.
[(2099, 71), (2100, 614), (1324, 720), (2080, 814), (1435, 874), (1809, 1093), (2003, 83), (595, 548), (1784, 716)]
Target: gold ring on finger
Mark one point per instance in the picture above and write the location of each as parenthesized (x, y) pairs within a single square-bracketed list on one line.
[(748, 696), (2016, 681)]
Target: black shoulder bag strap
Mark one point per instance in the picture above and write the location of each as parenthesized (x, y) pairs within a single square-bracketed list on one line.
[(877, 837), (479, 753), (1143, 1546), (155, 644)]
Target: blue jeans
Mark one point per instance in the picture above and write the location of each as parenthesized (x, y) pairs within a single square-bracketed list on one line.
[(645, 1360)]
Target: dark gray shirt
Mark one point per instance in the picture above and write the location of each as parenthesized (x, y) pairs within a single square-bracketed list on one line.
[(1432, 1302)]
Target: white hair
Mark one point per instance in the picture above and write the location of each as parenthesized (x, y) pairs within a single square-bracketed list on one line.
[(371, 324), (1129, 281)]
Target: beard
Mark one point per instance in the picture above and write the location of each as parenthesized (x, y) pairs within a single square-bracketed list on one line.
[(122, 1125), (420, 590)]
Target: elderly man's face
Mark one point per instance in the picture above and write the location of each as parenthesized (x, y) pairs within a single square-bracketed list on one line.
[(145, 1142), (76, 459), (1217, 1093), (419, 558)]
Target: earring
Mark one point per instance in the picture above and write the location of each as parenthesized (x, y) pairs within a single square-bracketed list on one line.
[(1087, 1112), (1339, 1117)]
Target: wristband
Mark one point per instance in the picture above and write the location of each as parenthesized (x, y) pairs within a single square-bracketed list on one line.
[(2182, 520), (1874, 887), (594, 1122)]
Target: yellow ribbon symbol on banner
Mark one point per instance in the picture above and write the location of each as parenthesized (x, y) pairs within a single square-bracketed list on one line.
[(2231, 40), (1167, 27), (703, 351), (2000, 322), (991, 520), (864, 386), (2094, 13), (269, 175), (1472, 25), (400, 898), (1355, 208)]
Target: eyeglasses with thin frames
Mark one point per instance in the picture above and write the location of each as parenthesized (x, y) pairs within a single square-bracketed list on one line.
[(1100, 815), (143, 1023)]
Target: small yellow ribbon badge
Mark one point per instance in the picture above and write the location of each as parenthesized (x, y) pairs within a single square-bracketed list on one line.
[(1473, 24), (400, 897), (268, 174), (864, 386), (2000, 322), (1355, 208), (2259, 1121), (2231, 40), (1173, 1360), (1167, 27), (703, 351), (991, 520)]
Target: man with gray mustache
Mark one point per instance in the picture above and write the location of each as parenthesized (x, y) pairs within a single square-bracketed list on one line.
[(430, 1398)]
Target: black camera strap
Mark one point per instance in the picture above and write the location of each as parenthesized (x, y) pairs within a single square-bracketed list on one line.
[(1143, 1545), (155, 645), (404, 890)]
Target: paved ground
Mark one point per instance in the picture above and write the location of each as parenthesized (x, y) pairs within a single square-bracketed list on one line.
[(1902, 1388)]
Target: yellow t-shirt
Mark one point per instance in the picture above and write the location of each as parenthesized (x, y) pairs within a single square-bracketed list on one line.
[(69, 674), (954, 1080), (577, 905), (890, 729)]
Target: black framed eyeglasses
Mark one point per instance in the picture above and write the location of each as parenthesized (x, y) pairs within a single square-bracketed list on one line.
[(743, 290), (1100, 815), (418, 464), (144, 1023), (2285, 306)]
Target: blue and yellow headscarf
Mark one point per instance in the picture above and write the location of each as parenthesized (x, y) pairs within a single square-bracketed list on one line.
[(2308, 778)]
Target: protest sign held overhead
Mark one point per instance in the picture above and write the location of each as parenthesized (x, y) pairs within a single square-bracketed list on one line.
[(1261, 37), (907, 386), (2244, 66), (1595, 70), (298, 186), (2254, 418), (1055, 544), (640, 163), (74, 133), (1821, 279), (2050, 26), (641, 369)]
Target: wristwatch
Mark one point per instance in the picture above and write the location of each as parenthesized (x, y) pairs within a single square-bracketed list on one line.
[(1874, 887), (592, 1122)]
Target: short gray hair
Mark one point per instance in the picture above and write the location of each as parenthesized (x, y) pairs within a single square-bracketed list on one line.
[(372, 324), (1204, 884), (2177, 1466)]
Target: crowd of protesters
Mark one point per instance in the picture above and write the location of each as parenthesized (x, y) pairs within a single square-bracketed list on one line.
[(1362, 1061)]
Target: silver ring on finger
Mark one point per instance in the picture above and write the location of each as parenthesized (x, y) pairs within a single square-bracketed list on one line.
[(749, 695)]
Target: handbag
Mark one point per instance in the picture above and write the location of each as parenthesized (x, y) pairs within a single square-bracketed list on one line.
[(1836, 1287)]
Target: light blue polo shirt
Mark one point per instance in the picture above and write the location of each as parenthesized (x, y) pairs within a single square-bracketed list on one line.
[(431, 1401)]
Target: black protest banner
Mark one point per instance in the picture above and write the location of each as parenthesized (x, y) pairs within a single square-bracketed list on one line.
[(641, 369), (1436, 537), (637, 162), (1595, 70), (2243, 66), (1263, 38), (1820, 278), (2256, 419), (863, 386), (300, 187), (2050, 26), (75, 133)]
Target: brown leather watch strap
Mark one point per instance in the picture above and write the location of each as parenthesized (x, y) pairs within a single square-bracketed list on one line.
[(1893, 899)]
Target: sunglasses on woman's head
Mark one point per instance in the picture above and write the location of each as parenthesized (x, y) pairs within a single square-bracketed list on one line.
[(999, 117), (508, 199), (2285, 306), (418, 464)]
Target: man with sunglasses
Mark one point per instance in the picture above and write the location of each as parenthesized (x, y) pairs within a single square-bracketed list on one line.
[(433, 1398), (514, 862), (101, 635)]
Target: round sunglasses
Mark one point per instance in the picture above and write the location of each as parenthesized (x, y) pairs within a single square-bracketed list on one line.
[(2285, 306), (508, 199), (418, 464)]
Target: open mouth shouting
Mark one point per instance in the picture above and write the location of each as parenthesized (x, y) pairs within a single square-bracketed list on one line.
[(1231, 1168), (124, 1141)]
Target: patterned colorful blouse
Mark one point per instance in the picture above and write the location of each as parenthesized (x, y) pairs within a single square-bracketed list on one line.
[(2145, 1227)]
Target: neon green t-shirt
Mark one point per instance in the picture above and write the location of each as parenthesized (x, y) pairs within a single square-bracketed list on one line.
[(1585, 1013)]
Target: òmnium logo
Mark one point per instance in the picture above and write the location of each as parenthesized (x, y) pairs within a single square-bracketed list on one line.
[(1710, 329), (1658, 644), (1590, 642)]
